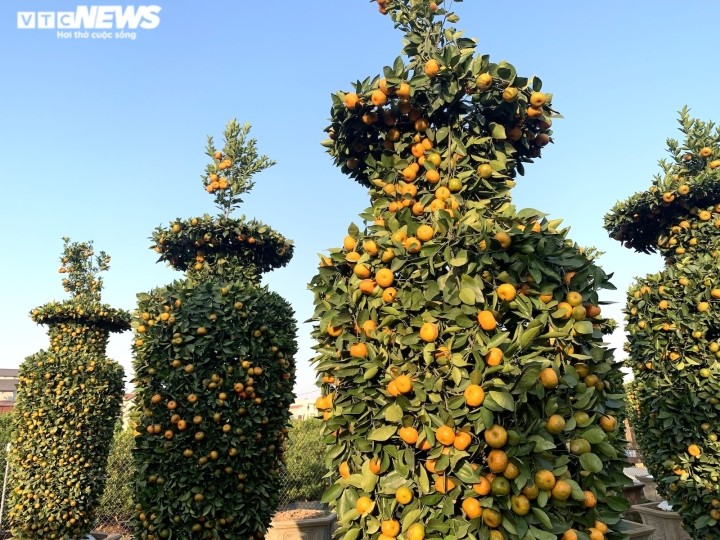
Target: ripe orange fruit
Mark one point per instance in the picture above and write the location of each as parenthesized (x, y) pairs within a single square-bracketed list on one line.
[(545, 480), (390, 527), (344, 469), (445, 435), (496, 436), (403, 495), (389, 294), (507, 292), (361, 270), (548, 378), (403, 91), (503, 239), (375, 465), (364, 504), (384, 277), (378, 98), (424, 232), (358, 350), (486, 320), (429, 332), (351, 100), (497, 460), (416, 531), (471, 507), (444, 484), (555, 424), (462, 440), (474, 395), (561, 490), (520, 505), (570, 534), (694, 450), (412, 244), (367, 286), (608, 423), (408, 434), (403, 383), (368, 327), (537, 99), (334, 331), (512, 471), (484, 81), (510, 94), (590, 499), (432, 68), (494, 357), (483, 487)]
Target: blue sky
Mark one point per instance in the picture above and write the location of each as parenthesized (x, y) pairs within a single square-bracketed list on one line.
[(104, 139)]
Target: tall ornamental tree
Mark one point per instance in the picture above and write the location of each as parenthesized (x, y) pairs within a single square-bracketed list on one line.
[(466, 389), (214, 367), (673, 324), (68, 400)]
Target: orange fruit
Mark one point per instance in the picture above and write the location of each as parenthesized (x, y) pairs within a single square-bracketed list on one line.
[(555, 424), (390, 527), (368, 327), (537, 99), (608, 422), (548, 378), (507, 292), (351, 100), (512, 471), (484, 81), (432, 68), (445, 435), (694, 450), (344, 469), (378, 98), (358, 350), (520, 505), (444, 484), (561, 490), (334, 331), (375, 465), (364, 504), (503, 239), (471, 507), (367, 286), (462, 440), (573, 298), (497, 460), (403, 383), (590, 499), (496, 436), (384, 277), (510, 94), (486, 320), (474, 395), (570, 534), (595, 534), (424, 233), (408, 434), (403, 495), (412, 244), (416, 531), (545, 480), (492, 518), (389, 294), (483, 487), (494, 357), (429, 332)]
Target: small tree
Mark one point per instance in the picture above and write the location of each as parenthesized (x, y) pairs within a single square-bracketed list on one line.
[(673, 324), (68, 399), (467, 391), (214, 367)]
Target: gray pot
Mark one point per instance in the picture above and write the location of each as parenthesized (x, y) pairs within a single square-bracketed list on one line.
[(668, 524), (638, 531)]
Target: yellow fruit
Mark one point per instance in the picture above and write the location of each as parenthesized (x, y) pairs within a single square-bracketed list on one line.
[(403, 495), (507, 292), (432, 68)]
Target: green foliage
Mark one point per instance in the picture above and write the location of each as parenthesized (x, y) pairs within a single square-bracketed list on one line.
[(214, 375), (6, 427), (67, 402), (672, 324), (447, 287), (306, 471)]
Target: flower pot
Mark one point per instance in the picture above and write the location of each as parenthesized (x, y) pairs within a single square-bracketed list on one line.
[(638, 531), (313, 528), (668, 524)]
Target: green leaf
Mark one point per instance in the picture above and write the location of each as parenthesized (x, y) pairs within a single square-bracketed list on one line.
[(503, 399), (382, 433), (467, 296), (394, 413), (590, 462)]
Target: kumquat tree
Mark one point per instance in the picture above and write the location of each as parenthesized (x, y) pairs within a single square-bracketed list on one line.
[(68, 400), (673, 324), (466, 389), (214, 367)]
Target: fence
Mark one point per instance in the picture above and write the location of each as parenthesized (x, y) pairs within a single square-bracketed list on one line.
[(302, 480)]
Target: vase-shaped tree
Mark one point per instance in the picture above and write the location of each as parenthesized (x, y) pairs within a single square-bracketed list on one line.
[(673, 324), (467, 392), (68, 400), (214, 367)]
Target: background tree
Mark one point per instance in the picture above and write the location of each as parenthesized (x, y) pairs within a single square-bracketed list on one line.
[(467, 392), (68, 399), (673, 323), (214, 367)]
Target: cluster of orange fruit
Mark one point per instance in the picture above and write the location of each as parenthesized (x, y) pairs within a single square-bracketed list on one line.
[(215, 181)]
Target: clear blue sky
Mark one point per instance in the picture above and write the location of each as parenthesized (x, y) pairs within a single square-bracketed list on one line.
[(104, 140)]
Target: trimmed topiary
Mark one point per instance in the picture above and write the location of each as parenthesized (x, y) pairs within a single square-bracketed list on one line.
[(673, 325), (214, 368), (68, 400), (466, 388)]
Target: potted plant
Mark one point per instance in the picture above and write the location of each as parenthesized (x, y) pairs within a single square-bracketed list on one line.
[(466, 389), (672, 320), (68, 400), (214, 367)]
